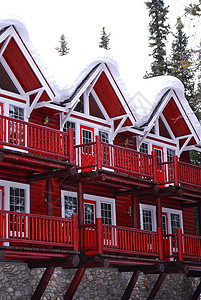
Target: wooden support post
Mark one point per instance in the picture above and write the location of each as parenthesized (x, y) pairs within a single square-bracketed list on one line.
[(43, 283), (80, 204), (176, 170), (160, 243), (131, 285), (75, 233), (197, 292), (159, 212), (180, 244), (74, 284), (49, 196), (154, 166), (199, 218), (98, 153), (99, 235), (157, 286), (135, 211), (70, 145)]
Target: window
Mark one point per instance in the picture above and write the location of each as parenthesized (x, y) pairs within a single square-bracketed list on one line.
[(106, 213), (86, 136), (80, 106), (147, 219), (89, 213), (67, 125), (104, 136), (170, 154), (16, 129), (17, 199), (70, 206), (144, 148), (175, 222)]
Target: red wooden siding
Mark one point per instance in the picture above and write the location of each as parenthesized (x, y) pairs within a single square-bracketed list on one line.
[(175, 120), (20, 67), (38, 115)]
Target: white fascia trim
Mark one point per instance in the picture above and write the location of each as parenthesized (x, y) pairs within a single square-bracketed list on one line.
[(115, 132), (32, 64), (3, 48), (100, 105), (119, 95), (37, 97), (168, 127), (8, 32), (184, 145)]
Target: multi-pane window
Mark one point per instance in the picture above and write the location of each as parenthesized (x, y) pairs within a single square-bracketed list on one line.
[(144, 148), (89, 213), (170, 154), (86, 138), (67, 125), (104, 136), (16, 128), (17, 199), (164, 224), (175, 222), (106, 213), (147, 219), (70, 206), (16, 112)]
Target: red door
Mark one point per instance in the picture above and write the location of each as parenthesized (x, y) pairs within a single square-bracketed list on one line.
[(90, 234), (87, 152), (1, 215), (160, 159)]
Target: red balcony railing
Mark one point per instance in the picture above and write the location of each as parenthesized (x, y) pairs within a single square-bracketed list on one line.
[(189, 175), (192, 247), (39, 140), (38, 230)]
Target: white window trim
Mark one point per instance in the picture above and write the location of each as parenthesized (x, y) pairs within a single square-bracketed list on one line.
[(169, 211), (7, 184), (97, 199), (152, 208)]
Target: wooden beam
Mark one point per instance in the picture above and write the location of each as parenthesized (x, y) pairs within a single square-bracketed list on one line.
[(189, 205), (74, 284), (146, 269), (197, 292), (80, 204), (52, 174), (159, 212), (43, 283), (49, 196), (131, 285), (135, 207), (71, 261), (157, 286)]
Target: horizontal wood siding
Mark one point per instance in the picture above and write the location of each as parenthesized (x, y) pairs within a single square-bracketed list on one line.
[(37, 198), (38, 115), (122, 218)]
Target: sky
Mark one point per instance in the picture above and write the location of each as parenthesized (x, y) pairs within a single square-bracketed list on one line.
[(81, 21)]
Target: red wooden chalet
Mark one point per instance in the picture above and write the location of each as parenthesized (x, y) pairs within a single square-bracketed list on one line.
[(90, 181)]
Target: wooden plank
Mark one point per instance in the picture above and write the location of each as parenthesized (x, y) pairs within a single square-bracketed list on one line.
[(131, 285), (43, 283), (74, 284), (71, 261), (157, 286)]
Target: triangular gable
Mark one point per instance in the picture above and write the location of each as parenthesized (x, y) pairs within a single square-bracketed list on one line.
[(101, 88), (24, 75), (173, 117)]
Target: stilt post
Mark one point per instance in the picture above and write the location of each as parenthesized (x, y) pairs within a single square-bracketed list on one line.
[(80, 204), (43, 283), (131, 285), (74, 284), (160, 243), (176, 170), (197, 292), (157, 286), (49, 196), (159, 212)]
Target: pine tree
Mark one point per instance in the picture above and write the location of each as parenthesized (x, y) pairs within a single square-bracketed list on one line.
[(158, 35), (104, 41), (180, 61), (63, 49)]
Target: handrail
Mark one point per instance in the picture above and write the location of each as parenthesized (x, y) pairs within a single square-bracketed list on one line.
[(190, 175), (36, 229), (192, 246), (33, 138)]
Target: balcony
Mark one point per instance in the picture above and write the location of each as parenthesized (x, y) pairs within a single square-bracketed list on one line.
[(35, 139), (98, 155), (28, 232)]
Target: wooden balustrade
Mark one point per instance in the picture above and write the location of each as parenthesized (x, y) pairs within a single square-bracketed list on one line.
[(88, 237), (191, 247), (33, 138), (35, 229), (170, 246), (130, 240), (189, 175)]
